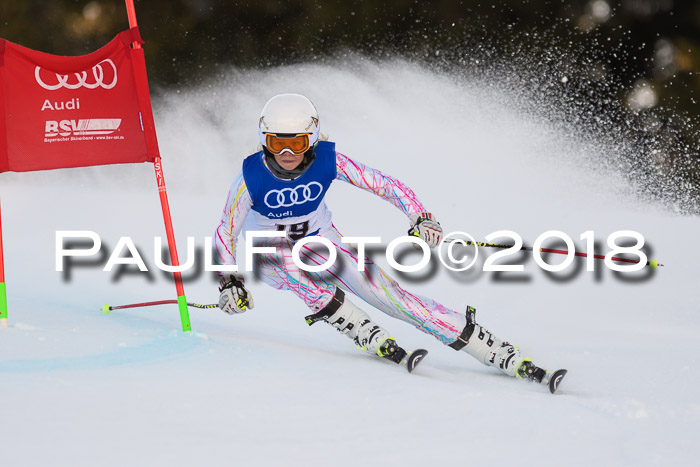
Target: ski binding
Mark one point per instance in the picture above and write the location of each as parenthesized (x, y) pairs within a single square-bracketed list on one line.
[(391, 351)]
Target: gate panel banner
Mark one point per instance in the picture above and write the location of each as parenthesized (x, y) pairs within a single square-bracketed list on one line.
[(59, 112)]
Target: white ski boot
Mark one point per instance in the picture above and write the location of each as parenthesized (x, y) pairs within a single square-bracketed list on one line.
[(481, 344), (350, 320)]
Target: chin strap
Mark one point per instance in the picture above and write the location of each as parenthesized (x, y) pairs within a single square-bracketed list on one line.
[(278, 171)]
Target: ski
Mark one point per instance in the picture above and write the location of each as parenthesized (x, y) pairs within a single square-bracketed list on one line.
[(414, 358), (553, 379)]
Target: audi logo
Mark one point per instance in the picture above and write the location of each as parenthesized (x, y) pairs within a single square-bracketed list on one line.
[(287, 197), (81, 78)]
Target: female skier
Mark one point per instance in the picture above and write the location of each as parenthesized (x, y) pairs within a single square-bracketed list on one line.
[(282, 188)]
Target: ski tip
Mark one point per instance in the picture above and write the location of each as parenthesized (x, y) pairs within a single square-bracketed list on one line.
[(556, 379), (415, 358)]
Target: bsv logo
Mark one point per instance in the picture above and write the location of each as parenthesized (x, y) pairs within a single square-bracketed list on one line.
[(82, 127), (100, 78), (287, 197)]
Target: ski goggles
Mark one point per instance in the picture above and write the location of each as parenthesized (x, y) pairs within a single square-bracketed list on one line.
[(298, 144)]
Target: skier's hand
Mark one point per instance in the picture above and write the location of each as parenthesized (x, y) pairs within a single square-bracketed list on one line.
[(234, 298), (427, 228)]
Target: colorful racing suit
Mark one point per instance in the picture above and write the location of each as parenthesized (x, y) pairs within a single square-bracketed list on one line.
[(259, 201)]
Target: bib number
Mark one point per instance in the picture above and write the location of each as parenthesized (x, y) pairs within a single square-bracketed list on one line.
[(295, 232)]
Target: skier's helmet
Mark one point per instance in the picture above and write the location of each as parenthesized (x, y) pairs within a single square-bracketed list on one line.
[(289, 123)]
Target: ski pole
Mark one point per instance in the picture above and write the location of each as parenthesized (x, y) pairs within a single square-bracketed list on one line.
[(107, 308), (653, 264)]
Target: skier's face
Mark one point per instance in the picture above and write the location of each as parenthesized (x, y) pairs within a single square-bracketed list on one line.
[(288, 160)]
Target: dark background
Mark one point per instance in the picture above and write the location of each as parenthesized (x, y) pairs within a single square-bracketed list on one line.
[(635, 62)]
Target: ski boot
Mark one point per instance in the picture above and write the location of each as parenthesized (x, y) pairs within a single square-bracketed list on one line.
[(481, 344), (352, 321)]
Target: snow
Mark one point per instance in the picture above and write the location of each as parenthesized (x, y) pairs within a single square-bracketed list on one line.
[(80, 387)]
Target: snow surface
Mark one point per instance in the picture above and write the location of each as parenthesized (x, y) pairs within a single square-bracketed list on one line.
[(81, 388)]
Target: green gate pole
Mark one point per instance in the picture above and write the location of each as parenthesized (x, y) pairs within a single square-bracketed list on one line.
[(3, 292)]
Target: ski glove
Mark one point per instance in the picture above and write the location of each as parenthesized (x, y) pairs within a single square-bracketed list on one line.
[(234, 298), (423, 225)]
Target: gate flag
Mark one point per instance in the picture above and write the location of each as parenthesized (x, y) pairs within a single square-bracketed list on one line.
[(60, 112)]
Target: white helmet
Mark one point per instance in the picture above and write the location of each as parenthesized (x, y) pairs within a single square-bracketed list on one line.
[(289, 116)]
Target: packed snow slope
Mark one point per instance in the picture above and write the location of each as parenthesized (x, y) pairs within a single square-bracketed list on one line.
[(79, 387)]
